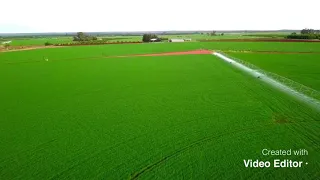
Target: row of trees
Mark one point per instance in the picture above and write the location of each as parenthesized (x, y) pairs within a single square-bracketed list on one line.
[(310, 31), (213, 33), (84, 37), (305, 34), (96, 43)]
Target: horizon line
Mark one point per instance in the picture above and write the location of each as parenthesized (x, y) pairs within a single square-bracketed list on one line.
[(241, 30)]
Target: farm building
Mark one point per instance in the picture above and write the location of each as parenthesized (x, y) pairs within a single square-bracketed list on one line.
[(176, 40), (153, 40)]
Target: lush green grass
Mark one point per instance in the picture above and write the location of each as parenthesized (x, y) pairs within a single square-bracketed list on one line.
[(177, 117), (302, 68), (196, 37), (268, 35), (121, 38)]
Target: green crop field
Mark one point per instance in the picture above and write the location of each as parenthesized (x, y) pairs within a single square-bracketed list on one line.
[(105, 50), (302, 68), (264, 46), (39, 41), (81, 115), (121, 38)]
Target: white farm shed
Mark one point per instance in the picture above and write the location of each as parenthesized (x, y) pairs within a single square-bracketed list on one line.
[(176, 40)]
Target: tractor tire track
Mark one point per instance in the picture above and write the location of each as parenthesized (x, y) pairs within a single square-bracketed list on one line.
[(150, 167)]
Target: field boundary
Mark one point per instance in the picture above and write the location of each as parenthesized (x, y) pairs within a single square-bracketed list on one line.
[(307, 94), (259, 40), (269, 52)]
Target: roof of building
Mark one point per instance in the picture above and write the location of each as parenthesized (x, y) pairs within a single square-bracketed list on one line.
[(177, 39)]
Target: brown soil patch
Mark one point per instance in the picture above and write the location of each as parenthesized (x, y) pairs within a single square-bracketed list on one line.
[(169, 53), (193, 52), (280, 119), (25, 48)]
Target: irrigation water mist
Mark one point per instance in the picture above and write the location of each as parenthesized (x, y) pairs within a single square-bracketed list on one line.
[(280, 86)]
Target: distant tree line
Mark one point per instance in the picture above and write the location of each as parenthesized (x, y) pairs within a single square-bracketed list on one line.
[(79, 43), (84, 37), (310, 31), (212, 33), (305, 34)]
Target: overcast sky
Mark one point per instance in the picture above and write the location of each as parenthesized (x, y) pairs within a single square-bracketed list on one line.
[(148, 15)]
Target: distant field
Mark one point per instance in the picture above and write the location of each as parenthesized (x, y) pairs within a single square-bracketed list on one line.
[(302, 68), (193, 37), (56, 40), (39, 41), (268, 35), (120, 38), (196, 37)]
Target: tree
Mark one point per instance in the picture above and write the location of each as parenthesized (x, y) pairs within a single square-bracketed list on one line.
[(213, 33), (7, 45), (307, 31), (47, 44), (80, 34), (83, 37), (305, 34), (76, 38), (148, 37), (222, 34)]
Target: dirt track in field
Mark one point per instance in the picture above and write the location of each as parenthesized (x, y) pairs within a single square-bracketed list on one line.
[(25, 48), (167, 53), (192, 52)]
